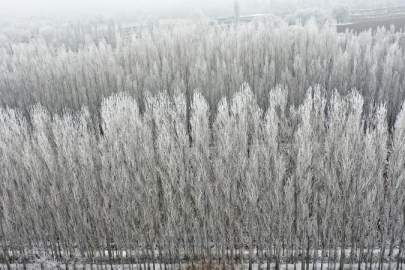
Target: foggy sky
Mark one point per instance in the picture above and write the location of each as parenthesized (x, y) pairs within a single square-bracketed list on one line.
[(32, 6), (173, 7)]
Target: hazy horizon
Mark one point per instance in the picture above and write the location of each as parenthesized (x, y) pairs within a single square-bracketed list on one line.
[(171, 8), (25, 7)]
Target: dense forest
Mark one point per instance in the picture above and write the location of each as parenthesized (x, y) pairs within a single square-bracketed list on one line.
[(203, 145), (69, 69)]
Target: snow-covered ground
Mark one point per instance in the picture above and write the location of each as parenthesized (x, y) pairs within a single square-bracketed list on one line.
[(44, 262), (55, 265)]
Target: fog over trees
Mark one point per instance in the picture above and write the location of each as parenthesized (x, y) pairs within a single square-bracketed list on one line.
[(200, 145), (68, 69)]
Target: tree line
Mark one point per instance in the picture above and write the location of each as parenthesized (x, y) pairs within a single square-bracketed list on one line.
[(321, 183), (213, 60)]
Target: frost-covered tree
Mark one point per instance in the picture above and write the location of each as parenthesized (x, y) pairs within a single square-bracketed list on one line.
[(240, 186), (395, 185), (210, 59), (341, 13)]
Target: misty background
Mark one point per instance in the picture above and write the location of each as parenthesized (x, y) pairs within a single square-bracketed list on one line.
[(174, 8)]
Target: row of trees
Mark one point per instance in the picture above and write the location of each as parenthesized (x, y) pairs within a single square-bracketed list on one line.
[(211, 59), (273, 186), (68, 33), (328, 3)]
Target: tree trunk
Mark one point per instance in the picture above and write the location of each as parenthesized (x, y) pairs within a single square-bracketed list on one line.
[(59, 250), (268, 258), (102, 257), (232, 258), (91, 254), (315, 261), (380, 264), (25, 260), (342, 248), (296, 252), (192, 258), (178, 258), (109, 251), (241, 253), (139, 259), (278, 254), (303, 263), (308, 256), (170, 257), (153, 256), (391, 250), (6, 257), (329, 254), (352, 248), (160, 256), (371, 254), (399, 254), (322, 256), (361, 255), (335, 255), (223, 257), (250, 257)]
